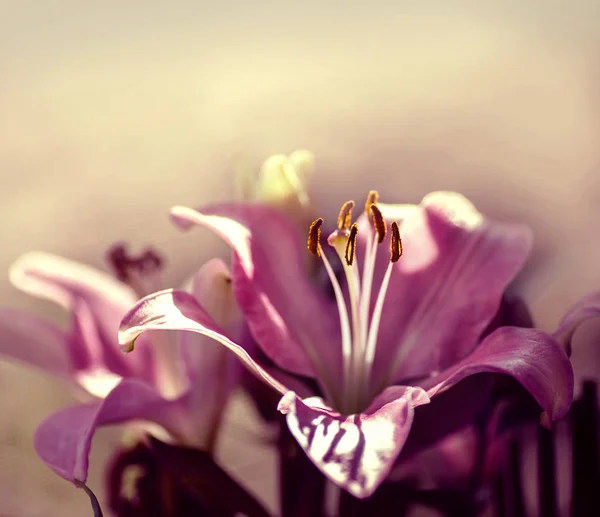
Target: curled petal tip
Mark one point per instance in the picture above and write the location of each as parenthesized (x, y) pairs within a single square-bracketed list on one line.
[(179, 216), (285, 403), (127, 346), (419, 397)]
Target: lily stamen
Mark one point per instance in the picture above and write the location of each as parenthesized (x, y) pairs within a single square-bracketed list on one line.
[(373, 212), (314, 237), (314, 246), (378, 222), (351, 245), (372, 199), (345, 217), (395, 243), (359, 336), (396, 253)]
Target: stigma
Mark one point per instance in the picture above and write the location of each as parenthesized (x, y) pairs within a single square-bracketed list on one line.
[(141, 272), (359, 326)]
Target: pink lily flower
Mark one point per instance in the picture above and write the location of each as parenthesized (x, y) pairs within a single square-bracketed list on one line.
[(390, 351), (175, 382)]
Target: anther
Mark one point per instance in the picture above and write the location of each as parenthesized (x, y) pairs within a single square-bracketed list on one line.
[(351, 245), (372, 199), (345, 218), (395, 242), (314, 237), (378, 222)]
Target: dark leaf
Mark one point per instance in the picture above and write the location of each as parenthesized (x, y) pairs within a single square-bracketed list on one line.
[(202, 477), (302, 486)]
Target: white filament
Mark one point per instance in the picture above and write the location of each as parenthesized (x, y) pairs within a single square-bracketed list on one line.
[(374, 328), (368, 271), (344, 321)]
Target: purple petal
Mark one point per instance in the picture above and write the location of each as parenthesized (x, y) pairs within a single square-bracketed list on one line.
[(579, 333), (96, 300), (178, 310), (447, 286), (533, 358), (588, 307), (34, 341), (293, 322), (63, 440), (356, 452), (213, 371)]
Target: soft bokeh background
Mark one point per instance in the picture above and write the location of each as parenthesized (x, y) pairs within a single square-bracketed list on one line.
[(111, 112)]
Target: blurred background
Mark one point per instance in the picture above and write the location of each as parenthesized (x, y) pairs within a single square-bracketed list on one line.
[(112, 112)]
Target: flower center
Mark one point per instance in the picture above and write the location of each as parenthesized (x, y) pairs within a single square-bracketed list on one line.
[(360, 325)]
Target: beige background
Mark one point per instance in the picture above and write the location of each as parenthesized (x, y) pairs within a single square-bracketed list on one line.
[(111, 113)]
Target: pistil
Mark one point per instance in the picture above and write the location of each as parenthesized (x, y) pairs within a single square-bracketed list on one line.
[(343, 241)]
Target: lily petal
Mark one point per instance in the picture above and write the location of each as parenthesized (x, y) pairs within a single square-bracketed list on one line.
[(293, 321), (179, 310), (213, 371), (447, 286), (96, 300), (588, 307), (34, 341), (535, 359), (356, 452), (63, 440)]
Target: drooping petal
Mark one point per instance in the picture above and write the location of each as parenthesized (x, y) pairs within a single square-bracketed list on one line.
[(31, 339), (535, 359), (39, 343), (587, 308), (63, 440), (179, 310), (97, 302), (356, 452), (213, 371), (291, 319), (446, 287)]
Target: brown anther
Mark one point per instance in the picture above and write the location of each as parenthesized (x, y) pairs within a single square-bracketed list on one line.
[(351, 244), (372, 199), (395, 242), (345, 218), (378, 222), (314, 237)]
